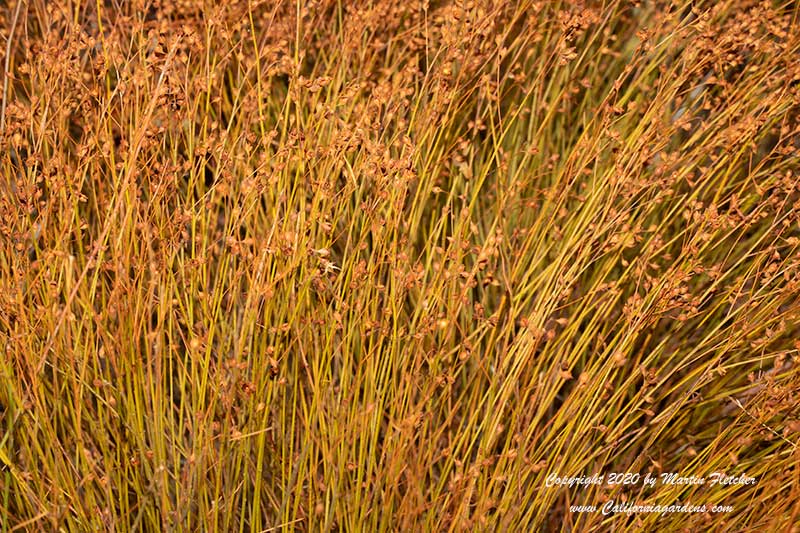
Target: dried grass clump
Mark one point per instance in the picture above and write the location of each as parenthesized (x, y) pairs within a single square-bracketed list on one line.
[(386, 266)]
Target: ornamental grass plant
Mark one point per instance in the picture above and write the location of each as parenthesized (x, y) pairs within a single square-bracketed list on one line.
[(398, 265)]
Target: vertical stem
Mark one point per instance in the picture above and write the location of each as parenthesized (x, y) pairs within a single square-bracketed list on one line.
[(8, 64)]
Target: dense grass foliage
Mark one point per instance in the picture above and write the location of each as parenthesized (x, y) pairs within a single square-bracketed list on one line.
[(388, 265)]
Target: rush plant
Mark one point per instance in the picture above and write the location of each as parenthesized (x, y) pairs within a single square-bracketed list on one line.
[(393, 265)]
